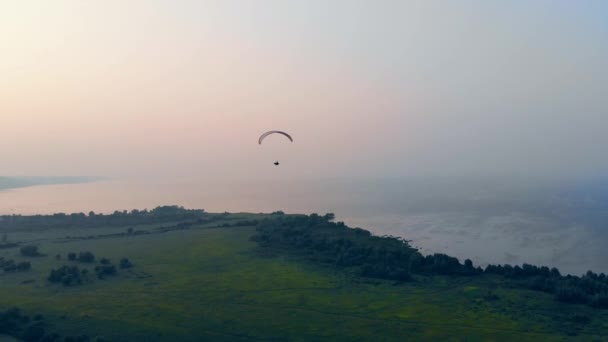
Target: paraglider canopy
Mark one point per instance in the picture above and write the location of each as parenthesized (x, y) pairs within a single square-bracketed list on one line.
[(263, 136), (274, 132)]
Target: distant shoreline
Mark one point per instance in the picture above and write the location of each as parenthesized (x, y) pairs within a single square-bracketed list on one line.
[(9, 183)]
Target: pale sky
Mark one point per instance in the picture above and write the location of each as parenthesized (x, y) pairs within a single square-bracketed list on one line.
[(367, 88)]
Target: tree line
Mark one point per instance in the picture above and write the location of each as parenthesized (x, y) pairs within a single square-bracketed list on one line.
[(393, 258), (160, 214)]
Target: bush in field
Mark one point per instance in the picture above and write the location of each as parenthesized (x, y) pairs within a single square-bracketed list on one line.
[(87, 257), (105, 270), (24, 266), (30, 251), (11, 266), (72, 256), (68, 275), (125, 263), (104, 261)]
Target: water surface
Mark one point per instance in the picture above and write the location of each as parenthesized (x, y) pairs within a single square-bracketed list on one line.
[(561, 226)]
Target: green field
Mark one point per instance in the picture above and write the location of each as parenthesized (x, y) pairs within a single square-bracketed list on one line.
[(209, 283)]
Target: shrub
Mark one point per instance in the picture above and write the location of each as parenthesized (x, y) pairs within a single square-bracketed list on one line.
[(24, 266), (105, 270), (30, 251), (67, 275), (125, 263), (86, 257)]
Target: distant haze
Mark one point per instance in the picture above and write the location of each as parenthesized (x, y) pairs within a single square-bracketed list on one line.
[(513, 89)]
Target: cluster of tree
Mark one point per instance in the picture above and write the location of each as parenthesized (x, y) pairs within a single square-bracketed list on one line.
[(590, 289), (124, 218), (69, 275), (107, 269), (9, 265), (392, 258), (13, 322), (372, 256), (72, 275), (30, 251)]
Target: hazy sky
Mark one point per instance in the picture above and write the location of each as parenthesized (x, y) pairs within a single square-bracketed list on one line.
[(367, 88)]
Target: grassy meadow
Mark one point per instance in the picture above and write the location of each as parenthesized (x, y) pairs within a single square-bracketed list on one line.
[(211, 283)]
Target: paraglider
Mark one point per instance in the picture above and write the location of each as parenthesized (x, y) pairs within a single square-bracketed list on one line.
[(273, 132), (263, 136)]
